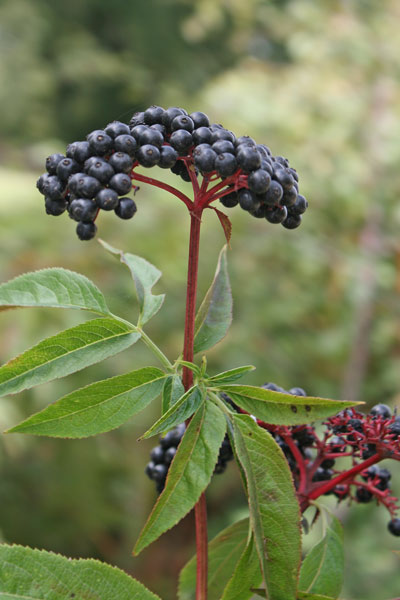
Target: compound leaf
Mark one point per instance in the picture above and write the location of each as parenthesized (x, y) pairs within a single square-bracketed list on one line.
[(55, 288), (247, 574), (189, 474), (179, 412), (322, 568), (224, 551), (98, 407), (39, 575), (145, 276), (282, 409), (215, 313), (65, 353), (274, 510)]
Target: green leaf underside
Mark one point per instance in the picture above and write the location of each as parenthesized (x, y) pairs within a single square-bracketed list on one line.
[(178, 413), (215, 313), (231, 375), (246, 576), (274, 510), (189, 474), (145, 276), (65, 353), (224, 551), (27, 574), (322, 568), (53, 288), (98, 407), (172, 391), (282, 409)]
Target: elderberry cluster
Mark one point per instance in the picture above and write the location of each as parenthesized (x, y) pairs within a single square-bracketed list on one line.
[(96, 174), (162, 455), (312, 456)]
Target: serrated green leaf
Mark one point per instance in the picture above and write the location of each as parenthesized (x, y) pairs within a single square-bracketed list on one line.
[(274, 509), (282, 409), (178, 413), (65, 353), (224, 551), (98, 407), (145, 276), (54, 288), (322, 568), (215, 313), (230, 376), (189, 474), (247, 575), (28, 574), (172, 391)]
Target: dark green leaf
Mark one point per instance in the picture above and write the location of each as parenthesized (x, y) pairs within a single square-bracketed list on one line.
[(224, 551), (56, 288), (145, 276), (230, 376), (65, 353), (247, 575), (27, 574), (173, 390), (322, 568), (178, 413), (189, 474), (274, 510), (282, 409), (215, 313), (97, 408)]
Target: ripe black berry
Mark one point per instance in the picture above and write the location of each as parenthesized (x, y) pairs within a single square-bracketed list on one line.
[(157, 455), (248, 200), (248, 158), (283, 177), (117, 128), (121, 162), (107, 199), (394, 527), (99, 142), (168, 157), (300, 205), (259, 181), (148, 155), (274, 193), (126, 208), (170, 114), (151, 136), (125, 143), (230, 200), (292, 221), (55, 207), (84, 186), (297, 391), (153, 114), (121, 183), (81, 152), (137, 119), (182, 122), (221, 133), (394, 427), (169, 455), (173, 437), (204, 158), (276, 214), (86, 231), (363, 495), (52, 187), (381, 410), (289, 197), (200, 119), (66, 167), (225, 164), (202, 135), (181, 140), (99, 168), (52, 162), (83, 209)]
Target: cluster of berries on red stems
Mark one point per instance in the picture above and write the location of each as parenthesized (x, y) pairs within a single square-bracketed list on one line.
[(96, 174), (162, 455), (312, 455)]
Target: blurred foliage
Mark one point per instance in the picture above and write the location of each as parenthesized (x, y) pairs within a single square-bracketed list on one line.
[(316, 307)]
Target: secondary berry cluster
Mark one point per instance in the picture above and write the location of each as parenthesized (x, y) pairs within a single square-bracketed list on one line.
[(96, 173), (365, 438), (162, 455)]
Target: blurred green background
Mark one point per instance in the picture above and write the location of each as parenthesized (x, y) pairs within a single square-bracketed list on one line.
[(317, 307)]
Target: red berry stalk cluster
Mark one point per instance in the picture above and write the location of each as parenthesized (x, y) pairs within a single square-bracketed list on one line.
[(314, 457)]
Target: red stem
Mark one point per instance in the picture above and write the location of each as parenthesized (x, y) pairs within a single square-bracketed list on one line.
[(163, 186)]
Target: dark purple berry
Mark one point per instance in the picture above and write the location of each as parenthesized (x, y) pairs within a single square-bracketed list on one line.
[(55, 207), (182, 122), (394, 427), (107, 199), (99, 168), (381, 410), (204, 158), (152, 137), (99, 142), (230, 200), (117, 128), (173, 437), (394, 527), (153, 114), (125, 143), (363, 495), (259, 181), (41, 181), (148, 155), (273, 194), (169, 455), (225, 164), (121, 162), (181, 140), (168, 157), (244, 140), (170, 114), (276, 214), (292, 221), (52, 162), (159, 472), (84, 186), (83, 209), (222, 134), (157, 455), (53, 188), (300, 206), (289, 197), (202, 135), (297, 391), (138, 130), (126, 208), (247, 200), (81, 152), (86, 231), (200, 119), (67, 167), (137, 119)]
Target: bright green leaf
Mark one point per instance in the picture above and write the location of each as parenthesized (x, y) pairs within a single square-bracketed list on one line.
[(98, 407), (322, 568), (230, 376), (191, 366), (305, 596), (56, 288), (274, 510), (224, 551), (189, 474), (145, 276), (27, 574), (172, 391), (215, 313), (65, 353), (282, 409), (178, 413), (246, 576)]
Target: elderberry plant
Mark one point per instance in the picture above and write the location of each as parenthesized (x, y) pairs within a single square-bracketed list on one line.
[(286, 461)]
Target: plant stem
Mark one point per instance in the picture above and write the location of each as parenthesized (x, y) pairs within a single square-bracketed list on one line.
[(156, 350), (200, 510)]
